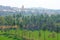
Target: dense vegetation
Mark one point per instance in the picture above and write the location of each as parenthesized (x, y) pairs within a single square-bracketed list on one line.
[(40, 26), (33, 22)]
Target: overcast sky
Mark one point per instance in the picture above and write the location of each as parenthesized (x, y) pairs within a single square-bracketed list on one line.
[(51, 4)]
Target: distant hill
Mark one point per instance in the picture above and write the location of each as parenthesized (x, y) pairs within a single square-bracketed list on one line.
[(7, 10)]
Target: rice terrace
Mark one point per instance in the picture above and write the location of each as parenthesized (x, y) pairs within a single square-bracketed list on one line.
[(29, 24)]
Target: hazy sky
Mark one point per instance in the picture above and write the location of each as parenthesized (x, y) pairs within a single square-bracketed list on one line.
[(52, 4)]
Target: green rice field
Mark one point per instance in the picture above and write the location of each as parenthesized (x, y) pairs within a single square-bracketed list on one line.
[(28, 35)]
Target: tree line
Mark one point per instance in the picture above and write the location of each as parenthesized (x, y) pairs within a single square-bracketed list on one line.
[(33, 22)]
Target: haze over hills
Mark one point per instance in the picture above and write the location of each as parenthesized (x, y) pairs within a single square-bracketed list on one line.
[(7, 10)]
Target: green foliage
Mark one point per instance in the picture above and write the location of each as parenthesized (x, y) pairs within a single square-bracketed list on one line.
[(43, 21)]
